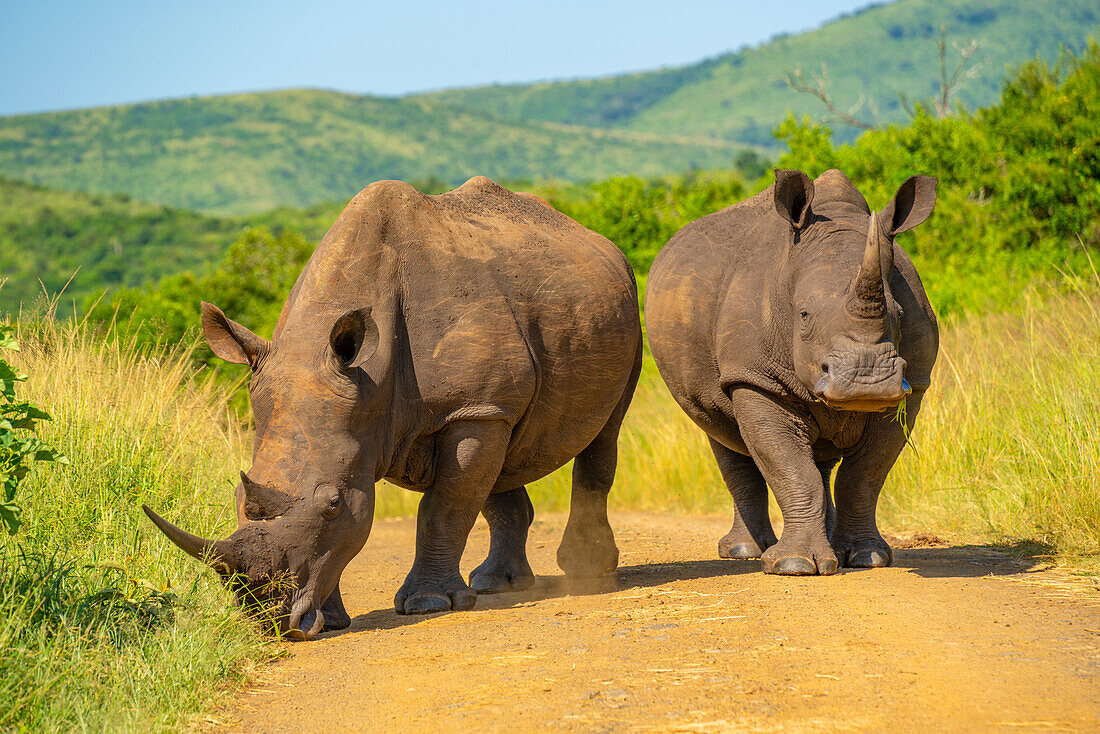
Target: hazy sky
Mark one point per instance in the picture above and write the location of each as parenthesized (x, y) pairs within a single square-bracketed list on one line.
[(58, 55)]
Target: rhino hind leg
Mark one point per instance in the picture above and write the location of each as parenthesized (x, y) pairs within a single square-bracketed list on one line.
[(469, 456), (752, 532), (509, 515), (336, 617), (588, 544)]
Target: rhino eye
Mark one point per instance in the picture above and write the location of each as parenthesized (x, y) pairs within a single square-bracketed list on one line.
[(333, 507), (806, 327)]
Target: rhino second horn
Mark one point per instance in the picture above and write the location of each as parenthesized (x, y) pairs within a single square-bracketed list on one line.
[(868, 294), (208, 551)]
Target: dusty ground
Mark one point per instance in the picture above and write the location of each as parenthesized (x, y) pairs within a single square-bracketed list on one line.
[(948, 639)]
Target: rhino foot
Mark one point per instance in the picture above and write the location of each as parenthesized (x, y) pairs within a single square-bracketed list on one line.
[(740, 544), (731, 549), (336, 617), (864, 552), (424, 596), (588, 550), (497, 575), (800, 556)]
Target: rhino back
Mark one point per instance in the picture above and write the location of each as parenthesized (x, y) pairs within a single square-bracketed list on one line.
[(704, 301), (512, 310)]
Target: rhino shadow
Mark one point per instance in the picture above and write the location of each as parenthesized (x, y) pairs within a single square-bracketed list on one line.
[(639, 576), (970, 561)]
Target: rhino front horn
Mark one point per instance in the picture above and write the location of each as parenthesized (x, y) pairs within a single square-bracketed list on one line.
[(867, 297), (208, 551)]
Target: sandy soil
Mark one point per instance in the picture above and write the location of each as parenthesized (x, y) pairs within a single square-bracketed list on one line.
[(948, 639)]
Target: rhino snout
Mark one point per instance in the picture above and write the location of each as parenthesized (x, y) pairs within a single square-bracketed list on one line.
[(304, 621), (864, 380)]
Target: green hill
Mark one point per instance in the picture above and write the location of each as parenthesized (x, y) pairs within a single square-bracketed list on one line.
[(252, 152), (874, 53), (49, 236)]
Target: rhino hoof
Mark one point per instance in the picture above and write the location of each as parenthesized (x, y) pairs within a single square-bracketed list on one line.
[(876, 557), (432, 598), (588, 552), (739, 550), (495, 582), (804, 558), (426, 604), (868, 559), (795, 566)]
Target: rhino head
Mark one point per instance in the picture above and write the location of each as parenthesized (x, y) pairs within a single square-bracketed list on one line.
[(845, 320), (306, 506)]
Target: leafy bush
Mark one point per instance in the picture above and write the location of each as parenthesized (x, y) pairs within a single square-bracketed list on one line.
[(1019, 194), (19, 447)]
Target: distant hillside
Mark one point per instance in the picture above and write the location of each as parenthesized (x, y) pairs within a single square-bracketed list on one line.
[(112, 241), (875, 52), (252, 152)]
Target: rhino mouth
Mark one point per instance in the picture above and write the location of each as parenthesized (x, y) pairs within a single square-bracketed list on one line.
[(304, 625), (867, 381)]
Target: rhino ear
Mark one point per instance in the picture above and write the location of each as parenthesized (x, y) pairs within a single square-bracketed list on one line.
[(354, 337), (910, 206), (793, 193), (229, 340)]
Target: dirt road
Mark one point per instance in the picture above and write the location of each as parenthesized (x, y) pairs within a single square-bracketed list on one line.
[(948, 639)]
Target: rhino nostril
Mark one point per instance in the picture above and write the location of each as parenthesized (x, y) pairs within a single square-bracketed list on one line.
[(825, 367)]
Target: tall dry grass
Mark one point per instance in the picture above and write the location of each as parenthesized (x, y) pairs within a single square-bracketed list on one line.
[(104, 625), (1007, 446)]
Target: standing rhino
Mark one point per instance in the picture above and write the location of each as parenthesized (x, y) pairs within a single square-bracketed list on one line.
[(459, 345), (790, 328)]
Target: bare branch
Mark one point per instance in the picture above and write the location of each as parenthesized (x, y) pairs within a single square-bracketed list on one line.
[(817, 85), (950, 84)]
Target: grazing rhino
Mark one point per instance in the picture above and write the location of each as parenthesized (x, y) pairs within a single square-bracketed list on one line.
[(459, 345), (790, 327)]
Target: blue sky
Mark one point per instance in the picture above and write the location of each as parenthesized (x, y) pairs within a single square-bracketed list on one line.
[(60, 55)]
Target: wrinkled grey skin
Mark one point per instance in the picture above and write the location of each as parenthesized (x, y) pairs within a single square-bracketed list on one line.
[(789, 327), (459, 345)]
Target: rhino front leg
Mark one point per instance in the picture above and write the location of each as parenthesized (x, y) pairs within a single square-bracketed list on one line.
[(859, 480), (780, 442), (509, 515), (469, 456), (752, 532)]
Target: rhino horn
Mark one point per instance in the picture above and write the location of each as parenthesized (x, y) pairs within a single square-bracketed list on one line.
[(867, 296), (214, 552)]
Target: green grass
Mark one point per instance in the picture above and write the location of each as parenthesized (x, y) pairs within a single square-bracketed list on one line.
[(103, 624)]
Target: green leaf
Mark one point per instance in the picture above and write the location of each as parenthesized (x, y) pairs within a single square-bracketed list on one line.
[(9, 515)]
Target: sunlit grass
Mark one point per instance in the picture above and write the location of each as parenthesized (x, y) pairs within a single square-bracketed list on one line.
[(103, 624), (1007, 445)]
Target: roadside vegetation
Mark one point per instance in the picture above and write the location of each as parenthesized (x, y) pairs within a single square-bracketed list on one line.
[(103, 625)]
